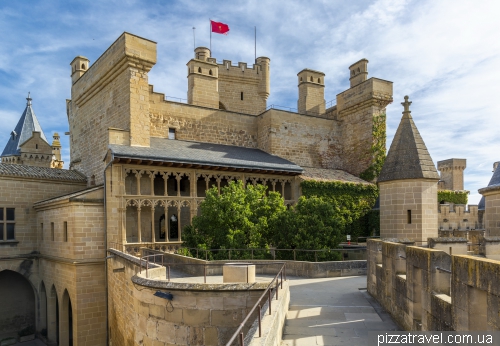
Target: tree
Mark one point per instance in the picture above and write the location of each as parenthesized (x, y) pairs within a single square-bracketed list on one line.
[(314, 223), (238, 217)]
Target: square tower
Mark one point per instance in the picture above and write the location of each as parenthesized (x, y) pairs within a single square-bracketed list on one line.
[(452, 173), (311, 92)]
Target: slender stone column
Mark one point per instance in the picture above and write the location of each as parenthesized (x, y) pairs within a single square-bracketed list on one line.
[(139, 235), (153, 235)]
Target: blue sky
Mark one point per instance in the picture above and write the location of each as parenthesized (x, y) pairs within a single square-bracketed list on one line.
[(444, 54)]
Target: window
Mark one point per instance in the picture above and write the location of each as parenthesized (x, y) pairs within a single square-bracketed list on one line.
[(7, 224), (36, 146), (242, 96), (171, 133), (408, 215), (65, 231), (199, 69), (52, 231)]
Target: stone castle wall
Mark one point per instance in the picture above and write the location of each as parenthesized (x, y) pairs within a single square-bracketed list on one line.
[(429, 290)]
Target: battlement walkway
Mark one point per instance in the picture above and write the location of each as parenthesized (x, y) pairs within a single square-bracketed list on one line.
[(332, 311)]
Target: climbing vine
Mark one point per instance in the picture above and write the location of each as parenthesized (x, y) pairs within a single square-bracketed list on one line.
[(357, 200), (377, 150), (457, 197)]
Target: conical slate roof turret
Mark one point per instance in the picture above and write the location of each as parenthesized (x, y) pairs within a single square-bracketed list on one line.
[(23, 131), (408, 157), (494, 181)]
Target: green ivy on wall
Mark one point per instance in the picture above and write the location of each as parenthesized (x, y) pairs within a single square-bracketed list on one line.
[(457, 197), (377, 150), (359, 199)]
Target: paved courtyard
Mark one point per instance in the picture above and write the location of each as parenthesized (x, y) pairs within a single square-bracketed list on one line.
[(333, 311)]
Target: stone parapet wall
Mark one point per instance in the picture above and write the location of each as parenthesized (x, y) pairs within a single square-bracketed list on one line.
[(293, 268), (426, 289), (198, 314), (458, 217)]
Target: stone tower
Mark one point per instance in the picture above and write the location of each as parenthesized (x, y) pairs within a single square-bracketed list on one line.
[(452, 174), (408, 186), (79, 66), (203, 87), (311, 92), (224, 86), (57, 162), (359, 72)]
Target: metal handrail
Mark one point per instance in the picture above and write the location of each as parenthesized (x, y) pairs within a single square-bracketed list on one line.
[(273, 251), (267, 292)]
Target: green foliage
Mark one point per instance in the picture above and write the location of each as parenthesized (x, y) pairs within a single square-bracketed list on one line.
[(313, 224), (377, 150), (356, 201), (238, 217), (249, 218), (457, 197)]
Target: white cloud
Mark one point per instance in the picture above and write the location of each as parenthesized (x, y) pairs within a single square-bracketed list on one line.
[(444, 54)]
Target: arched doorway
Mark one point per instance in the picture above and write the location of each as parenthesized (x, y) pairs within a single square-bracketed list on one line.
[(42, 325), (17, 302), (53, 316), (66, 321)]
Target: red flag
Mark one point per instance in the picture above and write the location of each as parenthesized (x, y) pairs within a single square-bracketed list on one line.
[(219, 28)]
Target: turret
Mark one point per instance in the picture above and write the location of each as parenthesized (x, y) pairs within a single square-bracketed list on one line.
[(203, 72), (358, 72), (452, 173), (264, 71), (311, 92), (79, 66), (56, 152), (408, 186)]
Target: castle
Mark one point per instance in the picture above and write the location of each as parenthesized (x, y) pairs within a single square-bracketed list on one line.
[(140, 166)]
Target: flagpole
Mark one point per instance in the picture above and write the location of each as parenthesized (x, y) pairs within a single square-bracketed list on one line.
[(194, 38), (210, 36), (255, 32)]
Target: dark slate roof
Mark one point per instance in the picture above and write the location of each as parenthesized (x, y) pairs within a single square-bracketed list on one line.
[(324, 174), (41, 173), (187, 152), (482, 204), (495, 179), (23, 131), (408, 157)]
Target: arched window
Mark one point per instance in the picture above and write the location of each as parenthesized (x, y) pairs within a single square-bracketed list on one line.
[(210, 72), (199, 69), (83, 66), (301, 79), (311, 79), (319, 80)]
